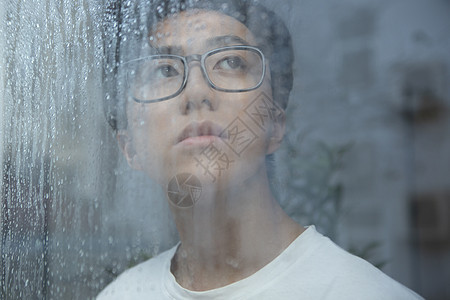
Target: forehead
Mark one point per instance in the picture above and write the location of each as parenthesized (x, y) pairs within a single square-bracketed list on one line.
[(200, 29)]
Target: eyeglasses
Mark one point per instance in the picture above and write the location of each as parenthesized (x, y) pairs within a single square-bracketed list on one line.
[(230, 69)]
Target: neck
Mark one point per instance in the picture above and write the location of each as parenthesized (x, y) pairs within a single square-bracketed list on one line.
[(230, 234)]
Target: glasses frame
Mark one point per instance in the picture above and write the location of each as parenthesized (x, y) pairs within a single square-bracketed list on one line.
[(201, 58)]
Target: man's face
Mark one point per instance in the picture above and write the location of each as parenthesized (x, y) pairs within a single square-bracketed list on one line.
[(220, 137)]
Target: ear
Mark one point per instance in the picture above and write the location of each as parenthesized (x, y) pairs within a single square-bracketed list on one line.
[(125, 141), (277, 134)]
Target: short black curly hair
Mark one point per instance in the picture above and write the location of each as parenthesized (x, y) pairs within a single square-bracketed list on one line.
[(128, 23)]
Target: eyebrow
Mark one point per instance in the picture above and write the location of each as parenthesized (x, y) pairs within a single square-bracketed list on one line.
[(217, 41), (226, 40), (167, 50)]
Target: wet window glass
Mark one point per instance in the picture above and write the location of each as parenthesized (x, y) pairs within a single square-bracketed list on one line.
[(225, 149)]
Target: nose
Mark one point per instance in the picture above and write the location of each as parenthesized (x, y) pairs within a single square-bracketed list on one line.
[(197, 94)]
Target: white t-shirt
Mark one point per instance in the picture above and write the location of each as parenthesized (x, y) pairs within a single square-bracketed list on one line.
[(311, 267)]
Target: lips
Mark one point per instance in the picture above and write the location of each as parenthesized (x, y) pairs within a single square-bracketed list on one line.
[(205, 128)]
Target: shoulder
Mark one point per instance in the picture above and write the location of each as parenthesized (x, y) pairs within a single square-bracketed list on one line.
[(140, 281), (344, 275)]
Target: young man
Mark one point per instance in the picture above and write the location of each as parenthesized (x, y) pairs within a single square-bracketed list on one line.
[(203, 113)]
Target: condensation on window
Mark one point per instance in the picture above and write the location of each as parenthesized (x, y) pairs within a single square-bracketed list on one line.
[(364, 157)]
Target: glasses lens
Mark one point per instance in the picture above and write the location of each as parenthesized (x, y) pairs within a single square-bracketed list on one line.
[(235, 69), (156, 77)]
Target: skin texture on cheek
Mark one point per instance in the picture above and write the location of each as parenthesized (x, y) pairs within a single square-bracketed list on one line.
[(149, 131)]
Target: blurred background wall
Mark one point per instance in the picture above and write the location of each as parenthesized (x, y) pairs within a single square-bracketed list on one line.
[(366, 157), (374, 75)]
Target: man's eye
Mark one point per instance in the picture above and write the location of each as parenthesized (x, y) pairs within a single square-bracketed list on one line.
[(166, 71), (231, 63)]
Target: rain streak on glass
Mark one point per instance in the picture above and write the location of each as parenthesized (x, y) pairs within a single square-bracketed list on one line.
[(50, 67), (63, 187)]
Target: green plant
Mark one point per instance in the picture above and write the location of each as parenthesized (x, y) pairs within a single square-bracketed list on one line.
[(314, 195)]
